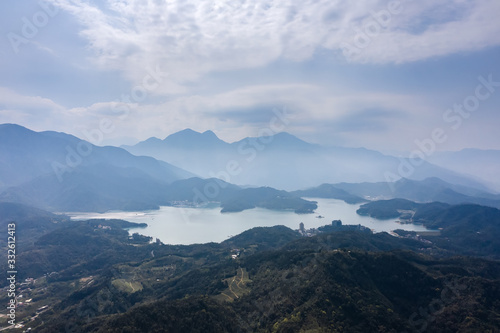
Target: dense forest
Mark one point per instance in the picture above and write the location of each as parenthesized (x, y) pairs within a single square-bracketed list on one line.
[(92, 276)]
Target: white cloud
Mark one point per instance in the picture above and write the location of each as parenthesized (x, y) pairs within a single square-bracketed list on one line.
[(12, 99), (245, 111), (191, 38), (473, 26), (36, 112), (316, 114)]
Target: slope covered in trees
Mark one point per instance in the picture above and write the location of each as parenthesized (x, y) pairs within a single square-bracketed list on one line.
[(93, 277)]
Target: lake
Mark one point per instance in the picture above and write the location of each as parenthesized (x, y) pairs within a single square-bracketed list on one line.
[(188, 225)]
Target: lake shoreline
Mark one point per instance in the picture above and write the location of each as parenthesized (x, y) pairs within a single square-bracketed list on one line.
[(188, 225)]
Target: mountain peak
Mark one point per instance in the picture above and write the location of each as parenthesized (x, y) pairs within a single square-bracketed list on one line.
[(14, 128), (287, 136), (209, 133), (190, 138), (287, 139), (188, 132), (153, 139)]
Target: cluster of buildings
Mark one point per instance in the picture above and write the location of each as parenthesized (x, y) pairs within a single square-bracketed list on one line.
[(235, 253), (336, 225)]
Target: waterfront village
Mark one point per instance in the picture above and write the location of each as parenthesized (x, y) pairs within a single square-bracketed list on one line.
[(336, 225)]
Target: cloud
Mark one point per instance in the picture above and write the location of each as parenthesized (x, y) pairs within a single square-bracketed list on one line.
[(245, 111), (425, 30), (12, 99), (232, 114), (34, 111), (226, 65), (368, 120), (191, 38)]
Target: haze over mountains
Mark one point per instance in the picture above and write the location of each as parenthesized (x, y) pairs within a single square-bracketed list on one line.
[(482, 165), (57, 171), (284, 161), (292, 166), (60, 172), (27, 154), (427, 190), (265, 279)]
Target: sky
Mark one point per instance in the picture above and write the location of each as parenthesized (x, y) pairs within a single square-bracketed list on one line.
[(385, 75)]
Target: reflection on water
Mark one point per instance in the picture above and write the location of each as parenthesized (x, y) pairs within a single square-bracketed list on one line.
[(183, 225)]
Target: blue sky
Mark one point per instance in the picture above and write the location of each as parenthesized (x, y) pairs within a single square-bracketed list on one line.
[(377, 74)]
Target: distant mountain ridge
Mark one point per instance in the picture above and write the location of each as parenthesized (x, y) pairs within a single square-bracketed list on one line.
[(480, 164), (284, 161), (428, 190), (184, 139), (57, 171), (25, 155), (331, 192), (60, 172)]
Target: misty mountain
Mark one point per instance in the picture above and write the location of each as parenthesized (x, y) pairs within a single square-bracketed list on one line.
[(26, 155), (427, 190), (101, 188), (189, 139), (480, 164), (59, 172), (284, 161), (199, 191), (266, 197), (95, 188), (233, 198), (331, 192), (199, 151)]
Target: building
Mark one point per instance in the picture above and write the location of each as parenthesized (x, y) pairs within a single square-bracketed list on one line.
[(337, 223)]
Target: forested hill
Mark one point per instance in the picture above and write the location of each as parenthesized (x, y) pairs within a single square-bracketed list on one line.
[(93, 277), (469, 229)]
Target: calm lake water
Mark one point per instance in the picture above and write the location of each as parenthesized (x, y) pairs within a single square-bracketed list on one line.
[(179, 225)]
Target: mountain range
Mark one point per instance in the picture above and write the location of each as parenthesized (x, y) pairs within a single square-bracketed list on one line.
[(482, 165), (93, 276), (57, 171), (60, 172), (428, 190), (26, 155), (284, 161)]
